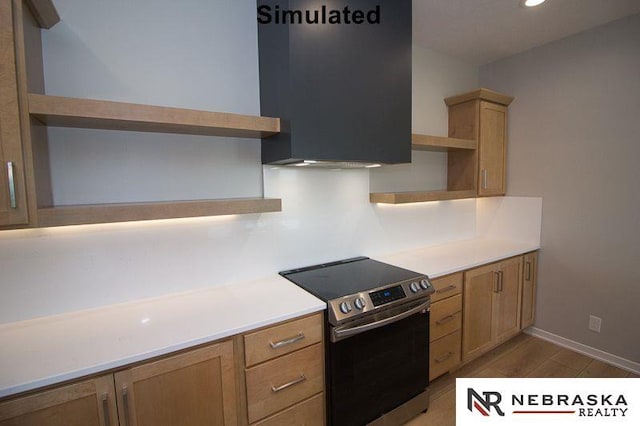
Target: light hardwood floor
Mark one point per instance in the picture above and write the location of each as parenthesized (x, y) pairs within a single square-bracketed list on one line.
[(522, 356)]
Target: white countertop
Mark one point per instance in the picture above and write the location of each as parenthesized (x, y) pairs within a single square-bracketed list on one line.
[(50, 350), (436, 261)]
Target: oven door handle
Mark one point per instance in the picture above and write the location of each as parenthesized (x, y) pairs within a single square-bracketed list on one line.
[(340, 333)]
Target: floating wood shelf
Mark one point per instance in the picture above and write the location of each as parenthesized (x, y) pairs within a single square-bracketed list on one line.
[(127, 212), (97, 114), (440, 143), (418, 196)]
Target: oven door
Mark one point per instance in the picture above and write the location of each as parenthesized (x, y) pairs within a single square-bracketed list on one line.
[(377, 364)]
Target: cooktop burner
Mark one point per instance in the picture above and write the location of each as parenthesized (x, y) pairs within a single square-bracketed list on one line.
[(354, 287), (332, 280)]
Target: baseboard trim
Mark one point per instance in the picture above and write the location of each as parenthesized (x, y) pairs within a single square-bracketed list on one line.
[(603, 356)]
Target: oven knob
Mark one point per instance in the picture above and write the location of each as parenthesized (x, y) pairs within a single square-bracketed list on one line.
[(424, 284), (414, 287), (360, 303), (345, 307)]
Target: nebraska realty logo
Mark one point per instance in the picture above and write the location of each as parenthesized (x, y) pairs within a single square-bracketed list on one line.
[(554, 401)]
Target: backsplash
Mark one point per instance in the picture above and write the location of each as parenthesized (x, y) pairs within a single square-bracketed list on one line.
[(326, 216)]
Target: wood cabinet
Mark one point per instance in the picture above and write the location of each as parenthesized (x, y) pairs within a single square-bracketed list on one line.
[(284, 373), (492, 305), (445, 324), (529, 281), (86, 403), (480, 115), (13, 201), (195, 388)]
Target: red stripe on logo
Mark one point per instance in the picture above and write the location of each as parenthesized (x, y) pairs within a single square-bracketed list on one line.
[(479, 408), (543, 412)]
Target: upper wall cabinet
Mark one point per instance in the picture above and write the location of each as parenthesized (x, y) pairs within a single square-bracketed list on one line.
[(480, 115), (13, 203), (25, 180), (342, 90)]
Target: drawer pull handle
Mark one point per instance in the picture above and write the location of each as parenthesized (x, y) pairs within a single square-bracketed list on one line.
[(446, 289), (12, 185), (105, 409), (444, 358), (288, 341), (300, 379), (446, 319)]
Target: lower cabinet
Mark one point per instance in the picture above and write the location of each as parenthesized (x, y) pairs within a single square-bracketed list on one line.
[(86, 403), (195, 388), (492, 306), (445, 324), (284, 373), (529, 280)]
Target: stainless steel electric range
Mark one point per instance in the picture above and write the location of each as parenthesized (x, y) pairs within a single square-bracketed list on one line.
[(377, 334)]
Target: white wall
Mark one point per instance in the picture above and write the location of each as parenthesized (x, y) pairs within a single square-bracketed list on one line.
[(125, 50), (574, 139)]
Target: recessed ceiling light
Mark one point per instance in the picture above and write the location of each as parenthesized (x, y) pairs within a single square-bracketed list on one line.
[(532, 3)]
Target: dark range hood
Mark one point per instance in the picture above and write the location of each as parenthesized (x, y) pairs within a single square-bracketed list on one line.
[(342, 90)]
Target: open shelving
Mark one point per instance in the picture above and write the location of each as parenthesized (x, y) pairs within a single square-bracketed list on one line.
[(460, 148), (24, 93), (126, 212), (99, 114)]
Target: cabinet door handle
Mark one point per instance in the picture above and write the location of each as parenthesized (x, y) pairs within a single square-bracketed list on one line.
[(528, 265), (446, 289), (125, 405), (446, 319), (300, 379), (484, 178), (500, 281), (105, 409), (12, 185), (444, 357), (496, 282), (288, 341)]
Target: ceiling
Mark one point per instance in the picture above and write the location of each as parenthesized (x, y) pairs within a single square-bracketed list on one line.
[(482, 31)]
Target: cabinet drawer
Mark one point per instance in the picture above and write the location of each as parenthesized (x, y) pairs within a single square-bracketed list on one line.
[(446, 286), (308, 413), (444, 354), (282, 382), (446, 317), (282, 339)]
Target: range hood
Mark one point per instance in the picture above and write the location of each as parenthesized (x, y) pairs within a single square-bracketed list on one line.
[(342, 90)]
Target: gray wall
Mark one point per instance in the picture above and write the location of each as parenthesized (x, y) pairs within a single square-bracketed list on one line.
[(435, 77), (574, 139)]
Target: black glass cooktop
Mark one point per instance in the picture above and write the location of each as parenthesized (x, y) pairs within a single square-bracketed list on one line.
[(332, 280)]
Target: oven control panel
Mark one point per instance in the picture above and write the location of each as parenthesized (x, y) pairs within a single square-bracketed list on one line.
[(357, 305), (387, 295)]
